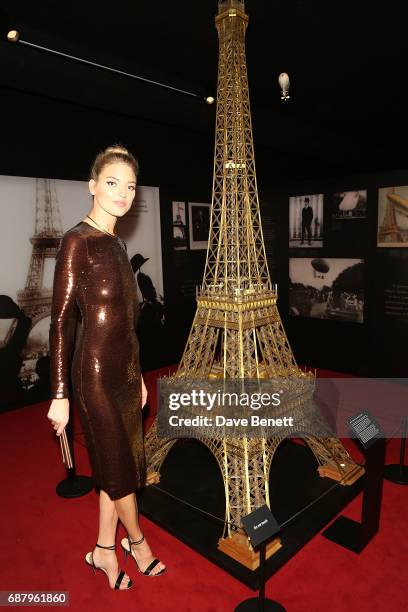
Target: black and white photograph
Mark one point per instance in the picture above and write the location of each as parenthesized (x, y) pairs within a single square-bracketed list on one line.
[(349, 205), (393, 217), (32, 229), (179, 226), (199, 224), (306, 221), (327, 288)]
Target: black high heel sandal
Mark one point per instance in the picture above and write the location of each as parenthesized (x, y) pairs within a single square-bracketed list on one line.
[(127, 547), (89, 561)]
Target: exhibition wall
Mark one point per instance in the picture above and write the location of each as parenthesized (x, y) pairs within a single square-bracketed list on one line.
[(58, 140), (363, 327), (43, 210)]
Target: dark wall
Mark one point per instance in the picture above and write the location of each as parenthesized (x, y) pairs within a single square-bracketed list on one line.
[(47, 137), (378, 347)]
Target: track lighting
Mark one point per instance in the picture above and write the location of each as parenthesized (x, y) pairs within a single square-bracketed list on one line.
[(14, 36)]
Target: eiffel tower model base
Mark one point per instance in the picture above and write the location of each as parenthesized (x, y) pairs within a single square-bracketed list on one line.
[(237, 547), (352, 472), (334, 463)]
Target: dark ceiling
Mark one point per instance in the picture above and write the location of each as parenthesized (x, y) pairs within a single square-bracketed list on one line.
[(347, 61)]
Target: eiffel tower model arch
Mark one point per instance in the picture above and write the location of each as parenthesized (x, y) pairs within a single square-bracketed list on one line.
[(237, 332), (35, 299)]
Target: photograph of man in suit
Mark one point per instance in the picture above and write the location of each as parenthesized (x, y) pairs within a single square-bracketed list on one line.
[(307, 218)]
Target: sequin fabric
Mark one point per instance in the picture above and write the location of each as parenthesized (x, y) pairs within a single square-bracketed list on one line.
[(93, 339)]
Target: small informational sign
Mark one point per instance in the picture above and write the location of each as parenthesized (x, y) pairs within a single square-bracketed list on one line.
[(260, 526), (365, 428)]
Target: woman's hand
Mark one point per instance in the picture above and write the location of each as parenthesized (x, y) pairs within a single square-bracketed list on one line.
[(58, 414), (144, 393)]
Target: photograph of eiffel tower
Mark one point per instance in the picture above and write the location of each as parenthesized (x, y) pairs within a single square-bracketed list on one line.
[(35, 299), (237, 331), (393, 217)]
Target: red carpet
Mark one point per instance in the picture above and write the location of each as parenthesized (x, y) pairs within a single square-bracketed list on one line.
[(45, 538)]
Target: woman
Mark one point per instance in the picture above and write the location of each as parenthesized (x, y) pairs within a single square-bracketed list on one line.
[(94, 282)]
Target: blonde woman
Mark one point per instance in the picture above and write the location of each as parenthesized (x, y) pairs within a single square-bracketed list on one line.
[(94, 285)]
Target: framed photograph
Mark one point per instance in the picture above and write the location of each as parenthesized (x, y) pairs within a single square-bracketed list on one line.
[(47, 208), (327, 288), (349, 205), (199, 224), (306, 221), (179, 226), (392, 217)]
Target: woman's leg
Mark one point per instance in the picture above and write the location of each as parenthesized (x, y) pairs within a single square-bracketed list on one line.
[(108, 520), (126, 508)]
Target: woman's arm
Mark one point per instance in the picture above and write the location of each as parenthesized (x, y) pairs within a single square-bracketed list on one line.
[(68, 268)]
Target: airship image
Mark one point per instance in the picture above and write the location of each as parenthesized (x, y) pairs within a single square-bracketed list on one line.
[(320, 267)]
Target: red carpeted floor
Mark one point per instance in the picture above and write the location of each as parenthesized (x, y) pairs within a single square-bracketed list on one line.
[(44, 539)]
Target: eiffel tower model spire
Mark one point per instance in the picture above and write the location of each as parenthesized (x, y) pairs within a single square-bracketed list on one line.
[(237, 331), (35, 299)]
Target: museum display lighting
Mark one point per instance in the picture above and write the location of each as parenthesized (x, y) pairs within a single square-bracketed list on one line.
[(14, 37), (284, 84)]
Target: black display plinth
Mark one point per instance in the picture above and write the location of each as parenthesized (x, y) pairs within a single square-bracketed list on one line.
[(252, 605), (190, 478), (351, 534), (398, 472), (345, 532)]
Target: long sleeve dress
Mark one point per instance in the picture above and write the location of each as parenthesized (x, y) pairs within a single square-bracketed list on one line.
[(93, 338)]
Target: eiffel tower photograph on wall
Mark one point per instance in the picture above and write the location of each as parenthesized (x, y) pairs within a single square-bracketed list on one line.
[(237, 332), (35, 299), (392, 228), (43, 209)]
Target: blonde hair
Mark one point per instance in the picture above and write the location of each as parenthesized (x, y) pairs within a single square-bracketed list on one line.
[(110, 155)]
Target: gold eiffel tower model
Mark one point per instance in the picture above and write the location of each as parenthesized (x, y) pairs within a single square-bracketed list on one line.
[(237, 332)]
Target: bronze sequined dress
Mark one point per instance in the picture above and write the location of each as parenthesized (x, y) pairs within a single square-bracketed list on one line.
[(94, 286)]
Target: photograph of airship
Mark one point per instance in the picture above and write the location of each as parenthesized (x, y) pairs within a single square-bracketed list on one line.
[(327, 288), (349, 204)]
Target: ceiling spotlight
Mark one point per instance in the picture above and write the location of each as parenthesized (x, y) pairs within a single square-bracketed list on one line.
[(284, 84), (210, 100), (13, 36)]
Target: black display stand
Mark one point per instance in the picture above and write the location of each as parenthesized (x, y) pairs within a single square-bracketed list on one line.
[(398, 472), (260, 526), (351, 534), (189, 502), (73, 485)]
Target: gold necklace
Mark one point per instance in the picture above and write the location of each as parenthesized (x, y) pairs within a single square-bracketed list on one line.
[(100, 226)]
